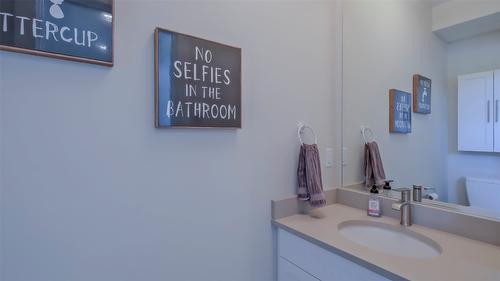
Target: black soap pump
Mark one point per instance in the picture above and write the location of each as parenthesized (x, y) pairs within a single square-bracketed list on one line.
[(374, 189), (387, 188), (374, 206), (388, 184)]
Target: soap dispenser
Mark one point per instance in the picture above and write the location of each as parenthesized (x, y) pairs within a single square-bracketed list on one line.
[(374, 203), (388, 184), (387, 188)]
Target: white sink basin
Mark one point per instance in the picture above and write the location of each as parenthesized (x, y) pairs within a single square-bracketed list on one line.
[(389, 239)]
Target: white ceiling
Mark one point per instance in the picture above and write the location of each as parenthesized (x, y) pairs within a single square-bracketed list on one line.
[(456, 20)]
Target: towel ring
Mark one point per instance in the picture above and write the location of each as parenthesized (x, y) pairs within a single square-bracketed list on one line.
[(367, 134), (300, 131)]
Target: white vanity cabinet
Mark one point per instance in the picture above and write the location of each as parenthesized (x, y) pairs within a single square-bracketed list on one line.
[(290, 272), (478, 116), (301, 260)]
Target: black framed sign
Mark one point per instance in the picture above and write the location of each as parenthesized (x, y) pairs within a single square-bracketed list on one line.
[(77, 30), (399, 112), (421, 94), (197, 82)]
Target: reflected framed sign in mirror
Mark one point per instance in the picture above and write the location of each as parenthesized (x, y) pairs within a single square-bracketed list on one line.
[(465, 106), (422, 94), (400, 112), (76, 30)]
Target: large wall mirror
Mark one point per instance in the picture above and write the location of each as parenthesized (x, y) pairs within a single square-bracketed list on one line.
[(451, 151)]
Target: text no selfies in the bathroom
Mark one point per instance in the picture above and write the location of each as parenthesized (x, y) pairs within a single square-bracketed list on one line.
[(198, 82)]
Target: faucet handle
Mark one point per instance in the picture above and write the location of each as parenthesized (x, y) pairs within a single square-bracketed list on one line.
[(417, 193), (405, 193)]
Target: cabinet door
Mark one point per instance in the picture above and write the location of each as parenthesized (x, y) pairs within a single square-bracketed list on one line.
[(496, 113), (290, 272), (475, 112)]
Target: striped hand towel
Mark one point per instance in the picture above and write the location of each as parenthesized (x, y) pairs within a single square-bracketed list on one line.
[(309, 176), (374, 169)]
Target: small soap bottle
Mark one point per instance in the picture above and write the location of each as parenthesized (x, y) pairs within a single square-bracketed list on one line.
[(374, 206), (387, 188)]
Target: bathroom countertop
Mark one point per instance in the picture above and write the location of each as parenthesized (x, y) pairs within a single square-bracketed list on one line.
[(461, 258)]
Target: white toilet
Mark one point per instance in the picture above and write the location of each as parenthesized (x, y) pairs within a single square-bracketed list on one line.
[(483, 193)]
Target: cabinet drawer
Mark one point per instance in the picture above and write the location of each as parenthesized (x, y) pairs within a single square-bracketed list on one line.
[(319, 262), (290, 272)]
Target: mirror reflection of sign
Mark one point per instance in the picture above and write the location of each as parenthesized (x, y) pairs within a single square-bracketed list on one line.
[(402, 113), (424, 103), (422, 94)]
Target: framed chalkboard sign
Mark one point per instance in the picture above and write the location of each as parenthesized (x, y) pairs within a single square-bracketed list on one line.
[(421, 94), (197, 82), (76, 30), (399, 112)]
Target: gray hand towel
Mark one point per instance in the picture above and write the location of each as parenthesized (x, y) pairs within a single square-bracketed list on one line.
[(374, 169), (302, 193), (309, 176)]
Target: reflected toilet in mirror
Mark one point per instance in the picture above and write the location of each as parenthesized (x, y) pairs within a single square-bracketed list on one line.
[(483, 193)]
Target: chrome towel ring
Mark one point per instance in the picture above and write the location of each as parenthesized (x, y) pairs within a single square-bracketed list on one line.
[(367, 134), (301, 129)]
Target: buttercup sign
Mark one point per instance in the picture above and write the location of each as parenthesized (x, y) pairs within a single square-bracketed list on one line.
[(79, 30), (55, 10)]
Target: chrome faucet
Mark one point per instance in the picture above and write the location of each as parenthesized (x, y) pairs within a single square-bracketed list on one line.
[(417, 193), (404, 206)]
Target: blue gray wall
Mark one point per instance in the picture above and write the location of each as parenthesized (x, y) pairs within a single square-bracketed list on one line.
[(92, 191)]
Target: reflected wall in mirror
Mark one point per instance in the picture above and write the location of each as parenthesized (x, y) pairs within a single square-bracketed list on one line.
[(385, 43)]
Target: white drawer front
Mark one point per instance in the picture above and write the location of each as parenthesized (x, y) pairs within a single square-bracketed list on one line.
[(290, 272), (319, 262)]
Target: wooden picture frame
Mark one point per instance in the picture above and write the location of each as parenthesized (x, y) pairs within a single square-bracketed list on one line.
[(55, 33), (422, 94), (175, 91), (399, 112)]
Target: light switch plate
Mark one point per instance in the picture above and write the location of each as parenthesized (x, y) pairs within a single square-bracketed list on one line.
[(329, 157), (345, 154)]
